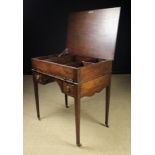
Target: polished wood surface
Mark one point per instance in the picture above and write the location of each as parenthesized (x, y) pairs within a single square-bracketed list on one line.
[(68, 68), (35, 82), (77, 114), (66, 101), (95, 70), (107, 105), (93, 32), (84, 67), (53, 68), (94, 86)]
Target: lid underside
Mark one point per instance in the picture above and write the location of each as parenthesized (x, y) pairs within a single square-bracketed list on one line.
[(93, 33)]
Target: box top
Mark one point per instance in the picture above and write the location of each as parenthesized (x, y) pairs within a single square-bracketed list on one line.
[(93, 33)]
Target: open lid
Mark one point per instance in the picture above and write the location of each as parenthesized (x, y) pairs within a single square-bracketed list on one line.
[(93, 33)]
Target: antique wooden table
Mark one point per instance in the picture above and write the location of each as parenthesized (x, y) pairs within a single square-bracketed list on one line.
[(85, 66)]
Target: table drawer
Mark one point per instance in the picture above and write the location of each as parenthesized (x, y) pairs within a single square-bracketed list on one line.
[(69, 89)]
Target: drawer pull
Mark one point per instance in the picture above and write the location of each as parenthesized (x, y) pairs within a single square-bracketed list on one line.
[(67, 89), (37, 76)]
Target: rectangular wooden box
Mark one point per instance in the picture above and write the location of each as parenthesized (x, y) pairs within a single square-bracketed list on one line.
[(73, 69)]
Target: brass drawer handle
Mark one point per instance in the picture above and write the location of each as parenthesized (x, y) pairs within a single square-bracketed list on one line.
[(67, 89), (37, 76)]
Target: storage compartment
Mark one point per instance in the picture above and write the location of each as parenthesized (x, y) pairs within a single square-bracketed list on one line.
[(68, 66), (70, 60)]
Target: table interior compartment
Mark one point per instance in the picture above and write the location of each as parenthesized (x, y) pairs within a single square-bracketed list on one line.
[(71, 60)]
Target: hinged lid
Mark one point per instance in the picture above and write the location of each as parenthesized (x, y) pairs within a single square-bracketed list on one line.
[(93, 33)]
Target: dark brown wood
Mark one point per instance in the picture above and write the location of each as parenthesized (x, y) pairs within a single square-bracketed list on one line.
[(84, 67), (53, 68), (36, 94), (107, 106), (66, 101), (77, 115), (69, 89), (98, 69), (93, 33), (70, 66), (94, 86)]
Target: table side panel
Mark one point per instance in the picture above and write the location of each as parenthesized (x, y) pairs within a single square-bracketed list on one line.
[(54, 69), (95, 70), (96, 85)]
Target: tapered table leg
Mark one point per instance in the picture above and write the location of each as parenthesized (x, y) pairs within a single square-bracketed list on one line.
[(107, 106), (77, 119), (66, 101), (36, 95)]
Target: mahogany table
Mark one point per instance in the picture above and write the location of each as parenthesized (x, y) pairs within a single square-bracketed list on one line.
[(85, 66)]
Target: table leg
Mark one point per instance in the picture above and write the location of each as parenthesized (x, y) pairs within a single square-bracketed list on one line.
[(66, 101), (36, 95), (77, 119), (107, 105)]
